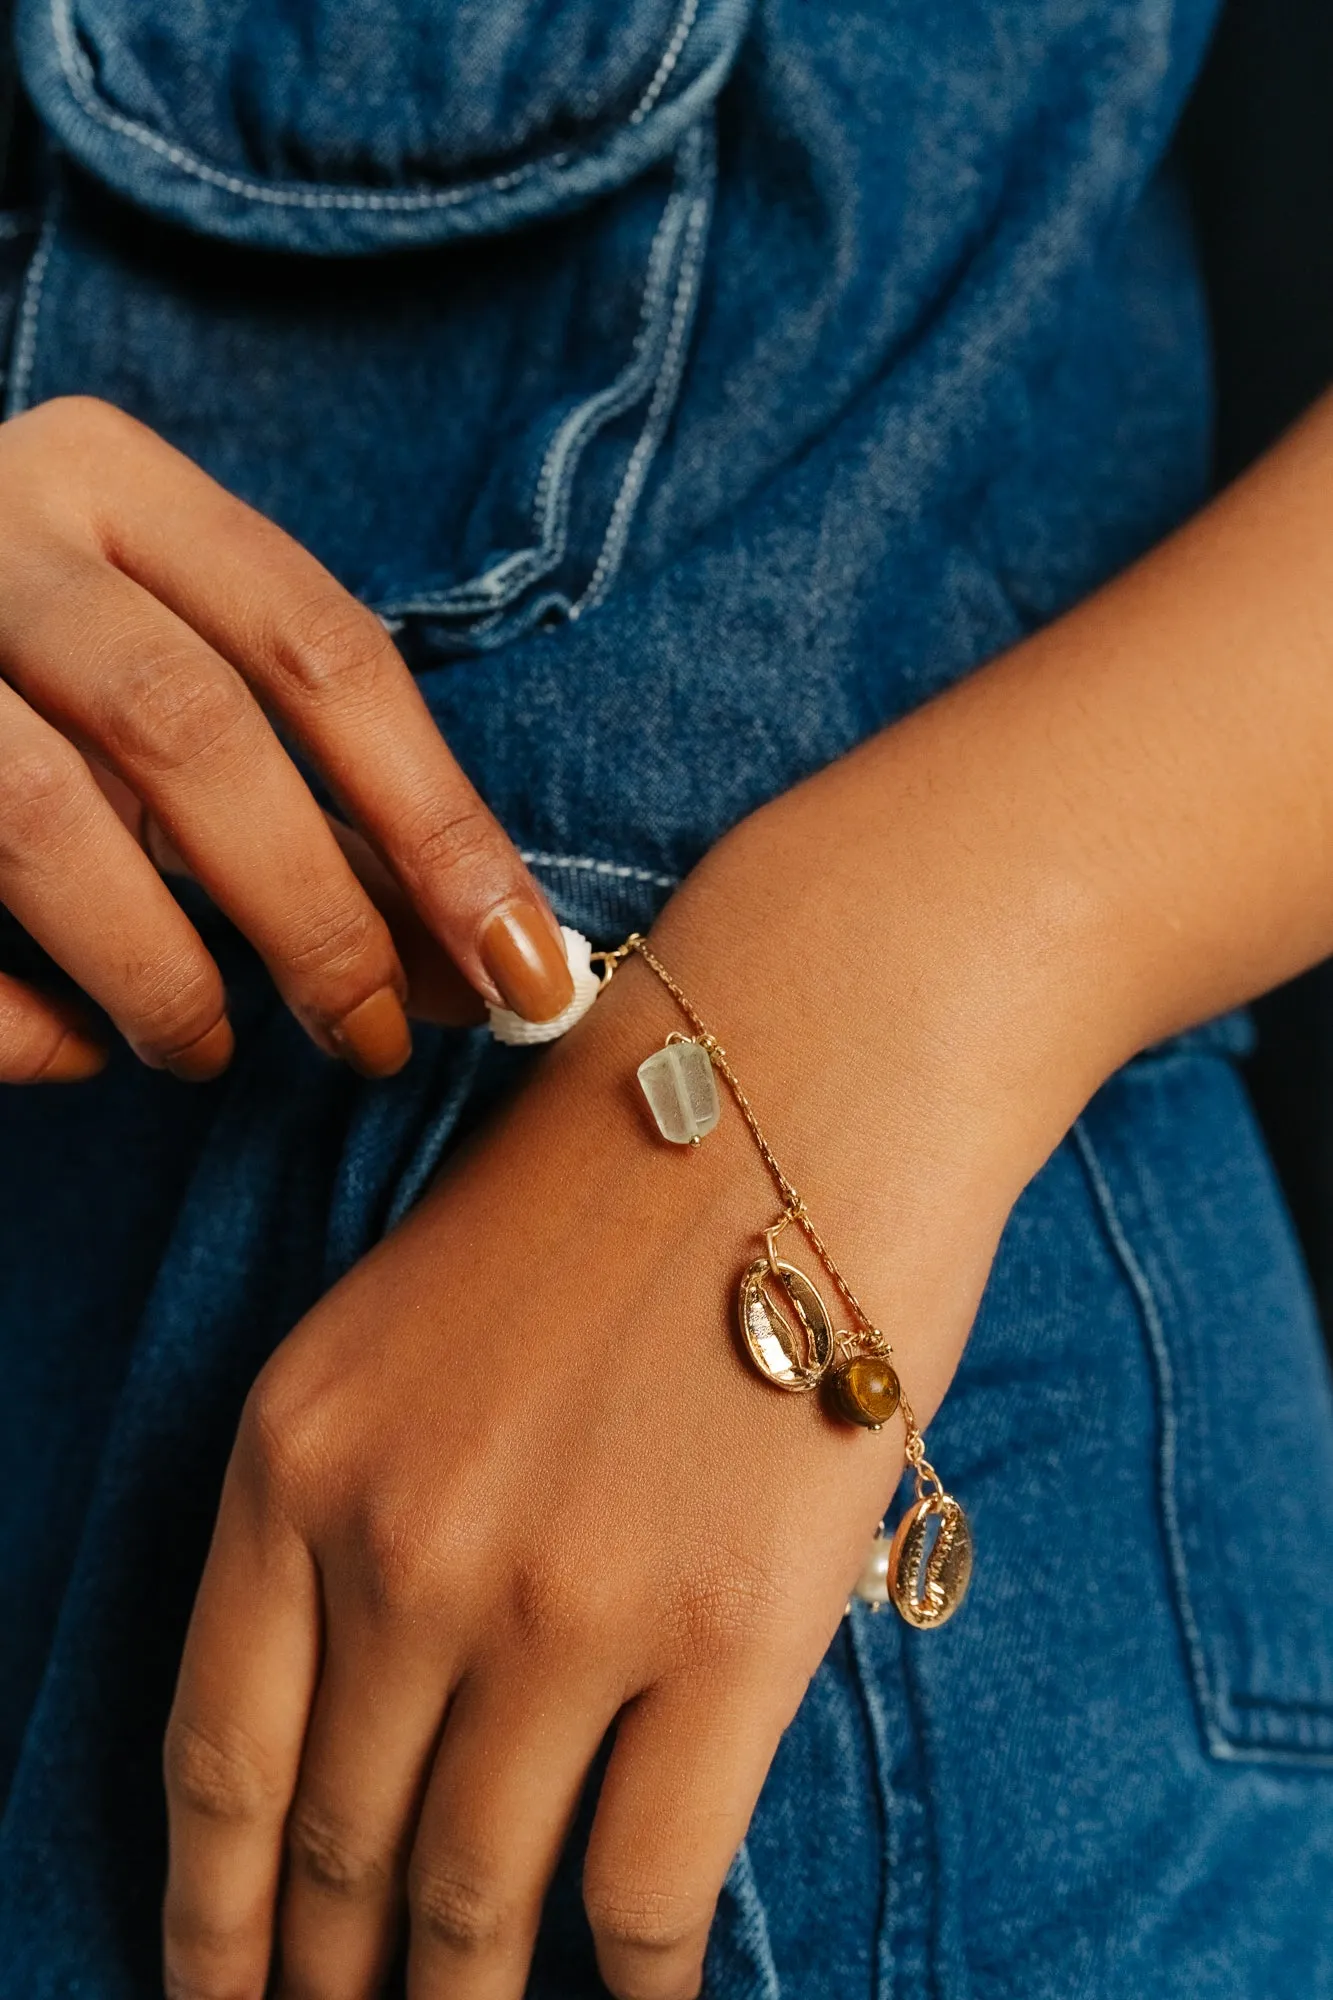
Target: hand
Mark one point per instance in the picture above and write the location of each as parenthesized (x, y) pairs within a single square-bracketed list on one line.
[(149, 625), (510, 1481), (510, 1486)]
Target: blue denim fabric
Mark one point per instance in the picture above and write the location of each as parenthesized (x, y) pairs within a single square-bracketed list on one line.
[(837, 347)]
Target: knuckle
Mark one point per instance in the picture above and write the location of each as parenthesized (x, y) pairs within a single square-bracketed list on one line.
[(167, 714), (284, 1432), (82, 414), (442, 843), (553, 1608), (331, 649), (205, 1959), (457, 1910), (43, 792), (27, 1047), (626, 1917), (325, 1851), (400, 1572), (76, 421), (61, 445), (338, 938), (177, 1000), (216, 1774)]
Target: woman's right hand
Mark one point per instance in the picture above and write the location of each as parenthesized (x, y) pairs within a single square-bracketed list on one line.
[(150, 624)]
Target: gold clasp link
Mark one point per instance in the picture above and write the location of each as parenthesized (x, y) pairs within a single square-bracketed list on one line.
[(794, 1210), (925, 1475), (609, 960)]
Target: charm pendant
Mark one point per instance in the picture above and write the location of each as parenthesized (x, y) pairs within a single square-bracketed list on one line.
[(924, 1570), (927, 1578), (863, 1384), (784, 1324), (681, 1089)]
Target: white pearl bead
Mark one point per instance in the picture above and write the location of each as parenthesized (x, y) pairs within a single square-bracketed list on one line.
[(872, 1586)]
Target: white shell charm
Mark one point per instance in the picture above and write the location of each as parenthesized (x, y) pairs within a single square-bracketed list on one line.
[(512, 1028)]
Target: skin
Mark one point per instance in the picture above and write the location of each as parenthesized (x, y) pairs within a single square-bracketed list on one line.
[(510, 1485), (138, 688)]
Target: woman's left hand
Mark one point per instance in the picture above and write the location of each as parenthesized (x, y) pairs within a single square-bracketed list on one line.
[(511, 1485)]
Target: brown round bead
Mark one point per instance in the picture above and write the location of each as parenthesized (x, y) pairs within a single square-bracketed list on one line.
[(865, 1390)]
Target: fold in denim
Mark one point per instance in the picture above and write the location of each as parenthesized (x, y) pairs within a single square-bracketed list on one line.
[(842, 347)]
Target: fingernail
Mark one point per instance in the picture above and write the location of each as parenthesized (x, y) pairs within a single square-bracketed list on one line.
[(207, 1057), (74, 1061), (375, 1037), (526, 959)]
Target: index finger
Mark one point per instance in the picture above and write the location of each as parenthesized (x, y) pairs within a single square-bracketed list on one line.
[(326, 664)]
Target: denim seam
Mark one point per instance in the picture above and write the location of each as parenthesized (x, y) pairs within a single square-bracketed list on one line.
[(1151, 1317), (621, 870), (485, 594), (874, 1715), (24, 354), (671, 55), (1277, 1756), (948, 1970), (665, 394), (1211, 1699), (693, 163), (78, 74), (654, 369), (1283, 1704), (563, 456)]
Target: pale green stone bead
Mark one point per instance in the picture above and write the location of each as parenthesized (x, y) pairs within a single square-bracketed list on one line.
[(681, 1089)]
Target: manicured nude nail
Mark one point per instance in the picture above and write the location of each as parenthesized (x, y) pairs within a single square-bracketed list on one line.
[(207, 1057), (525, 957), (74, 1061), (375, 1037)]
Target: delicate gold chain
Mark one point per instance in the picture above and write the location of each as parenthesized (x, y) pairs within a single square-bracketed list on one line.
[(794, 1209)]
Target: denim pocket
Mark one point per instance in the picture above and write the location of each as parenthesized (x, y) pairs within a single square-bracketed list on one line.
[(1245, 1434), (350, 126)]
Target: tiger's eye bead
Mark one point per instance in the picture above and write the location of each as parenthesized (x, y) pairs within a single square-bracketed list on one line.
[(865, 1390)]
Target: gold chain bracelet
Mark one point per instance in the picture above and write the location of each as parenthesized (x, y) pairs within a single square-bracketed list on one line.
[(789, 1334)]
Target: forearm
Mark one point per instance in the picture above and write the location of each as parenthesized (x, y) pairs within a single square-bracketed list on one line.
[(1161, 761), (1120, 827)]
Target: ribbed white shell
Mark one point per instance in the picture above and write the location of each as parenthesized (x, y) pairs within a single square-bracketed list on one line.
[(512, 1028)]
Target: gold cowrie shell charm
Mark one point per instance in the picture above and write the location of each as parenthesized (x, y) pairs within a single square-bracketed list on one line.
[(926, 1583), (784, 1324), (924, 1570)]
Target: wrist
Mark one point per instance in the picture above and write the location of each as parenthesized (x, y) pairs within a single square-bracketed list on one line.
[(911, 1012), (902, 994)]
